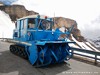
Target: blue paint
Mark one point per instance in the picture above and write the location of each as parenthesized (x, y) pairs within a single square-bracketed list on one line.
[(46, 47)]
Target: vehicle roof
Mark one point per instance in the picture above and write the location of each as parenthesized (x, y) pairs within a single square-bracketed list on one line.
[(34, 16)]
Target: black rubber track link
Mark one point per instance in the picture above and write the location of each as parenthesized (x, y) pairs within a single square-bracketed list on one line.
[(19, 51)]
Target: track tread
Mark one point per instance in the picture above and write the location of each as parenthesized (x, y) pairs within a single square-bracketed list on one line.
[(19, 51)]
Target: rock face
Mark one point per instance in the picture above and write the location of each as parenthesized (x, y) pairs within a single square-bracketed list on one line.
[(19, 11), (61, 21), (16, 11)]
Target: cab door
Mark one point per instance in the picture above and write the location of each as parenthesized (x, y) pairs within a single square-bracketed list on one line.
[(16, 34), (23, 30), (18, 28)]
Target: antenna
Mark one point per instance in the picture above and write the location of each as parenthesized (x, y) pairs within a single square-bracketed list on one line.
[(53, 23), (54, 17)]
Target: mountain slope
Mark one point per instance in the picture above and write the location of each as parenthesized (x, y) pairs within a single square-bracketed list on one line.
[(66, 22), (85, 45), (16, 11), (95, 42)]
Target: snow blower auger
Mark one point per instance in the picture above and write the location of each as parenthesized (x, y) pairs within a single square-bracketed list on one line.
[(35, 40)]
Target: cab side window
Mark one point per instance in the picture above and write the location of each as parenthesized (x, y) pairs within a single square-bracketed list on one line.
[(18, 25), (31, 23), (22, 24)]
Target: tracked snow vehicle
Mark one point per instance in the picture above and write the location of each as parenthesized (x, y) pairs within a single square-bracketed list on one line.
[(35, 40)]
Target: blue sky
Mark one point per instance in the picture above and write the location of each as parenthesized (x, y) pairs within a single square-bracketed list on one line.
[(7, 2)]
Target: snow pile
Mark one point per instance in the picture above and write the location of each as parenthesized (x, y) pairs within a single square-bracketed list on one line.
[(91, 46), (85, 45), (95, 42), (6, 25), (81, 44)]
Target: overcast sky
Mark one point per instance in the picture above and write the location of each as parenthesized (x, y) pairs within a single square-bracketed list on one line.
[(85, 12)]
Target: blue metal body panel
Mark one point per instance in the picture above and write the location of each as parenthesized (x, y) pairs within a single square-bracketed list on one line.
[(46, 45)]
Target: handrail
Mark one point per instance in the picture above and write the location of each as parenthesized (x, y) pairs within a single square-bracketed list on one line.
[(86, 51)]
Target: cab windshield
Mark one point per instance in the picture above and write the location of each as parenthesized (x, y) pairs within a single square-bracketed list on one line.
[(31, 23), (44, 24)]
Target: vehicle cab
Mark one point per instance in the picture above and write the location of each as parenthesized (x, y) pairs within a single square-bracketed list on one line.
[(32, 27)]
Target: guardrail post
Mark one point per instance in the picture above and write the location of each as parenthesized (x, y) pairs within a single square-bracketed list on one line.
[(95, 59), (72, 51)]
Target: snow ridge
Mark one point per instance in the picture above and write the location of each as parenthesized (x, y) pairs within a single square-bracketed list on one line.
[(85, 45)]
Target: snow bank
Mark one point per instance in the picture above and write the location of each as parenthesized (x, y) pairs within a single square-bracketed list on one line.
[(6, 25), (92, 47), (81, 44)]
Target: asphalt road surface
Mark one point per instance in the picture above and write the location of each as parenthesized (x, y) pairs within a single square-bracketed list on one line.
[(11, 64)]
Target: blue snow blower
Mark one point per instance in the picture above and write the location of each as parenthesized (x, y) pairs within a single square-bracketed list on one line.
[(35, 40)]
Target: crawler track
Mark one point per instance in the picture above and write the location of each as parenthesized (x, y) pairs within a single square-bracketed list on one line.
[(18, 50)]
